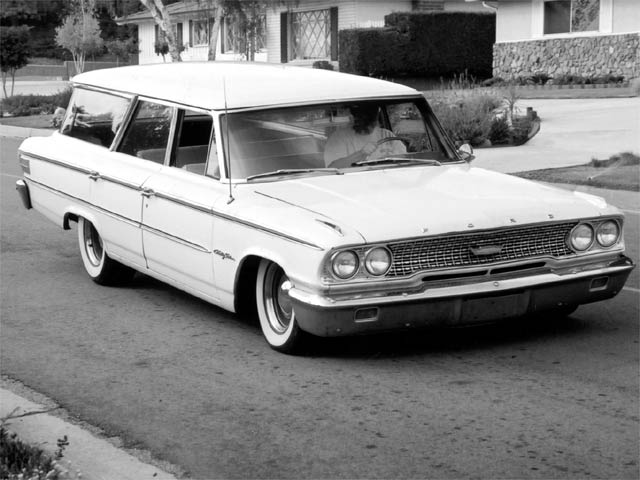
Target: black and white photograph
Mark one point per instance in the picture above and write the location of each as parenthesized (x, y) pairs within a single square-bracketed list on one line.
[(319, 239)]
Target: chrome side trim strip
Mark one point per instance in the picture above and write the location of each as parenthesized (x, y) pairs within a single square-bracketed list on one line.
[(171, 198), (184, 203), (173, 238), (115, 215), (31, 156), (122, 183)]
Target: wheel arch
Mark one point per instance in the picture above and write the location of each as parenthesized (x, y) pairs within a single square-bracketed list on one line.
[(244, 289), (72, 214)]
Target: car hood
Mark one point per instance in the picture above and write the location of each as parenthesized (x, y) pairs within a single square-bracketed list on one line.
[(394, 203)]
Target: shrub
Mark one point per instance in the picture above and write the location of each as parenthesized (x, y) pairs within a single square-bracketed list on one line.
[(421, 44), (323, 65), (18, 458), (23, 105), (500, 131), (467, 119), (372, 51)]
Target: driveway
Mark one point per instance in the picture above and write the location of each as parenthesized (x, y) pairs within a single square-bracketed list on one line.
[(573, 131)]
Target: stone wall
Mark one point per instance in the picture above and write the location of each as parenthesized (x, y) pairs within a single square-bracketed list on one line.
[(586, 56)]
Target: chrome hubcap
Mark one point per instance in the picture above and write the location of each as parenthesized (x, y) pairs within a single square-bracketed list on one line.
[(92, 244), (277, 300)]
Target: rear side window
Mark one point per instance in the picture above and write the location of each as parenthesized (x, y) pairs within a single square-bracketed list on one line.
[(94, 116), (148, 134)]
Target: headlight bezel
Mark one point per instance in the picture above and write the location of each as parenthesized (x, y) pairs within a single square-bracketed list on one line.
[(335, 256), (617, 237), (571, 242), (366, 262)]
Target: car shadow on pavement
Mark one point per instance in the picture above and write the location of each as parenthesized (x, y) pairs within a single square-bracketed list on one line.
[(439, 340), (404, 343)]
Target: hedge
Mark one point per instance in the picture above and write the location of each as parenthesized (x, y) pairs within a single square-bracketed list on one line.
[(421, 44)]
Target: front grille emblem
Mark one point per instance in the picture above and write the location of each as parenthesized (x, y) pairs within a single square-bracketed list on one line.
[(485, 250)]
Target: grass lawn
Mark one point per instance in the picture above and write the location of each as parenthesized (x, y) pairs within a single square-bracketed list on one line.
[(625, 177), (31, 121)]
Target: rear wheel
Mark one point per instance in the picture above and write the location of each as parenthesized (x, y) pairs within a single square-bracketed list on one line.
[(102, 269), (275, 309)]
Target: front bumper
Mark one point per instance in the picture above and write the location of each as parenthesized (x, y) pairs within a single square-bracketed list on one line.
[(459, 304)]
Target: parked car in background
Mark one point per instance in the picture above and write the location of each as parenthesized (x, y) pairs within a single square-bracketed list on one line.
[(328, 204)]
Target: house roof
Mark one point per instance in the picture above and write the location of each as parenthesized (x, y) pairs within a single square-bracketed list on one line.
[(174, 9), (233, 85)]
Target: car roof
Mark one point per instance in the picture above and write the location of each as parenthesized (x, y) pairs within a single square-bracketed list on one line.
[(233, 85)]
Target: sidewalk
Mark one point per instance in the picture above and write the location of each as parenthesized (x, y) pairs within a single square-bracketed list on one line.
[(87, 456)]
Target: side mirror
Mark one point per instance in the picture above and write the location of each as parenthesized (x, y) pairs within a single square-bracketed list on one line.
[(466, 152)]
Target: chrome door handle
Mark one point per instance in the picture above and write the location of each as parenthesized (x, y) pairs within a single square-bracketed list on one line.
[(147, 192), (94, 176)]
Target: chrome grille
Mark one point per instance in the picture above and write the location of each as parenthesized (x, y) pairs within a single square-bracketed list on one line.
[(454, 251)]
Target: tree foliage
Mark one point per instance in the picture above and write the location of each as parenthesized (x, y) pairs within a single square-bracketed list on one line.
[(122, 49), (14, 52), (161, 16), (80, 33)]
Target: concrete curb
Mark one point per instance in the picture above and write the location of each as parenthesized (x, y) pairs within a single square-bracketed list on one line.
[(23, 132), (94, 458)]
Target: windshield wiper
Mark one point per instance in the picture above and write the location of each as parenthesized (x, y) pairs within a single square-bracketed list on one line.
[(377, 161), (293, 171)]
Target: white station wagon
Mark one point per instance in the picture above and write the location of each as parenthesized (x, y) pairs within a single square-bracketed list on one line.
[(328, 204)]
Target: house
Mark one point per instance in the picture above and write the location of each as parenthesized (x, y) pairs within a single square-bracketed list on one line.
[(581, 37), (299, 32)]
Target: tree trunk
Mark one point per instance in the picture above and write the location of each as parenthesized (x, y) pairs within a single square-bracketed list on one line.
[(4, 84), (163, 20), (213, 36)]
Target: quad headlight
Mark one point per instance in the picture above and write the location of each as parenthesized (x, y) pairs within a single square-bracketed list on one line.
[(581, 237), (345, 264), (377, 261), (608, 233)]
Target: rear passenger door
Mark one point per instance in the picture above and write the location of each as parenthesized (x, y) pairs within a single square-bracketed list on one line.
[(118, 184), (177, 206)]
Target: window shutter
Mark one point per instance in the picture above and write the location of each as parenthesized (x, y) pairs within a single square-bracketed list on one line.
[(333, 14), (191, 33), (179, 35), (284, 37), (156, 39)]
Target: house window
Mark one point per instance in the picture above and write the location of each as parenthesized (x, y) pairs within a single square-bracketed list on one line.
[(570, 16), (309, 35), (161, 38), (199, 34)]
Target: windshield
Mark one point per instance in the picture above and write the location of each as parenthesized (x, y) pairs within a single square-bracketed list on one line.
[(333, 138)]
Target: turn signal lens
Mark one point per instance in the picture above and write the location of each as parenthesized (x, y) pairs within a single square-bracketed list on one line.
[(581, 237), (377, 261), (608, 233), (345, 264)]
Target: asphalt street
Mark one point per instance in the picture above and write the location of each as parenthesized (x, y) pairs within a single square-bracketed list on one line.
[(197, 386)]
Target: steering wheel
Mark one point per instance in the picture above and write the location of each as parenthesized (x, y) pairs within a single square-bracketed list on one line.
[(406, 141)]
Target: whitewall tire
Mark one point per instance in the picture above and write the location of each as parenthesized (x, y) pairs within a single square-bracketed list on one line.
[(102, 269), (275, 309)]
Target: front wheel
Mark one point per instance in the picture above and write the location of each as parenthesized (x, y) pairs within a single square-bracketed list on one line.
[(102, 269), (275, 309)]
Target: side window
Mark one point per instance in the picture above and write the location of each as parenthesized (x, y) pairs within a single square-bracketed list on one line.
[(407, 122), (94, 116), (148, 133), (194, 131)]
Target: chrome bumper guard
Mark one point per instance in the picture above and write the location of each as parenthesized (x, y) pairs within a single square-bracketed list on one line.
[(460, 304), (23, 192)]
